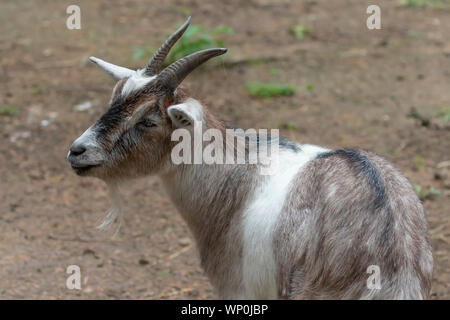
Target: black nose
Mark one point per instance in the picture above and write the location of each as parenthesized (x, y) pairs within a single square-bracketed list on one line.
[(76, 150)]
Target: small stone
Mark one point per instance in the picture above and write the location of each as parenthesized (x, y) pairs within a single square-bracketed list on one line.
[(20, 135), (53, 115), (88, 290), (47, 52), (84, 106), (184, 242), (88, 251), (45, 123), (35, 174)]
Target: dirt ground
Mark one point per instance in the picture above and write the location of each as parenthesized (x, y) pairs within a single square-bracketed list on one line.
[(362, 85)]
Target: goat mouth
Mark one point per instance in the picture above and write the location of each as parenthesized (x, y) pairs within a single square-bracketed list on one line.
[(83, 168)]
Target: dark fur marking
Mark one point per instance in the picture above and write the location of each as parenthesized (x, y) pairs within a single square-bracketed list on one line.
[(365, 166), (112, 118), (283, 142), (121, 107)]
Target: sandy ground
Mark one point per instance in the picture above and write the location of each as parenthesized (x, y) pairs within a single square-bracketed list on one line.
[(364, 85)]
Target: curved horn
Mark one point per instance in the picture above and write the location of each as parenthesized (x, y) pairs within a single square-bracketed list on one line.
[(116, 71), (154, 66), (174, 74)]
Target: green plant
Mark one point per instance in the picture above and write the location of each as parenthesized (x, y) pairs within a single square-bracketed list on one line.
[(417, 189), (195, 38), (289, 126), (9, 110), (413, 34), (419, 161), (427, 194), (299, 31), (432, 192), (443, 113), (198, 38), (274, 70), (268, 90), (425, 3), (142, 52)]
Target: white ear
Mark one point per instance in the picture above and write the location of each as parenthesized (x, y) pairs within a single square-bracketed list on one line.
[(116, 71), (184, 114)]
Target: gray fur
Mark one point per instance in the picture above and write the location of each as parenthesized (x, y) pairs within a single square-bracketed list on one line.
[(333, 228)]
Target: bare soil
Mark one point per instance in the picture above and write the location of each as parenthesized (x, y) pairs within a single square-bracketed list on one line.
[(364, 85)]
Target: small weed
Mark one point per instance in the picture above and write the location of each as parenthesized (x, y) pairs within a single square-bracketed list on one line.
[(309, 87), (289, 126), (417, 189), (413, 34), (9, 110), (419, 161), (274, 71), (428, 194), (438, 4), (142, 52), (256, 61), (35, 91), (432, 192), (223, 29), (163, 273), (268, 90), (299, 31), (443, 113)]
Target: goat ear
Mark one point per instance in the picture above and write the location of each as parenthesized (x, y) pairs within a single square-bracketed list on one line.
[(186, 113)]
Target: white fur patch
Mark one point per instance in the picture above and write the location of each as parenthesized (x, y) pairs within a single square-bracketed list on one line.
[(87, 139), (259, 219), (185, 113), (135, 82)]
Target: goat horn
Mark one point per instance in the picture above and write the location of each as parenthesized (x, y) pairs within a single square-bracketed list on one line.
[(174, 74), (154, 66), (117, 72)]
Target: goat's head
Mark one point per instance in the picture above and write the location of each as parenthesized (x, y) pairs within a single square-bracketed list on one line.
[(133, 137)]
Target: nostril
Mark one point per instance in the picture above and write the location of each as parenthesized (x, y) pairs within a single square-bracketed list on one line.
[(76, 150)]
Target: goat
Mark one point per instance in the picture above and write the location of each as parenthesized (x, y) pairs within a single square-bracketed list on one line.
[(309, 230)]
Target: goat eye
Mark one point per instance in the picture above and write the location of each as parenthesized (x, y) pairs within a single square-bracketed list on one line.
[(146, 123)]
